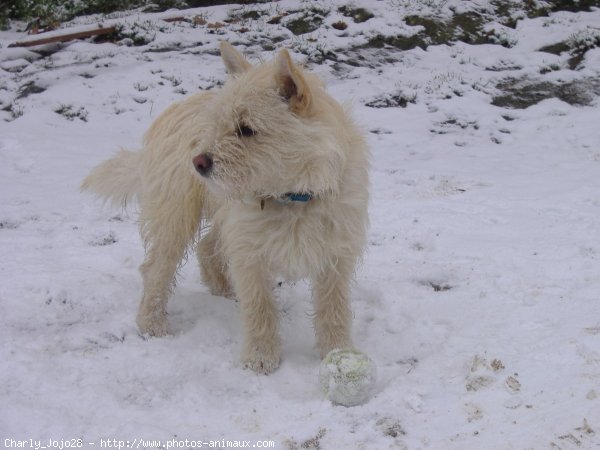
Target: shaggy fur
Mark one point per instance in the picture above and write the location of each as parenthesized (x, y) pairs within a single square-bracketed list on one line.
[(229, 157)]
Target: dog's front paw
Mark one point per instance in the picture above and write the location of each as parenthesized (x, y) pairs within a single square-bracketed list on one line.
[(262, 361), (153, 324)]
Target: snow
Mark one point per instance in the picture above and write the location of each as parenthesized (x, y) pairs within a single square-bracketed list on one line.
[(478, 297)]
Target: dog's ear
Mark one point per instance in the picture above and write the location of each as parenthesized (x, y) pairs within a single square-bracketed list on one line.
[(292, 85), (234, 61)]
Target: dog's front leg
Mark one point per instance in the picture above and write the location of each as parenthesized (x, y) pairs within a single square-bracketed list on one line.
[(262, 345), (333, 316)]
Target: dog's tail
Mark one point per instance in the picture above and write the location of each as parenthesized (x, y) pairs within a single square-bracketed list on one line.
[(116, 180)]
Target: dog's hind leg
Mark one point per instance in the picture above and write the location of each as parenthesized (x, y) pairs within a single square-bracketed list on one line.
[(167, 228), (333, 316)]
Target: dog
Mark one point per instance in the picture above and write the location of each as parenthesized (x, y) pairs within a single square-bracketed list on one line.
[(277, 172)]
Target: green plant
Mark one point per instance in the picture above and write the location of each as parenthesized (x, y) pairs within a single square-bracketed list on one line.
[(48, 14), (45, 14), (584, 40), (70, 113), (359, 15)]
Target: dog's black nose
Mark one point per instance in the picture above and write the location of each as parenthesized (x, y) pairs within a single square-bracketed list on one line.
[(203, 163)]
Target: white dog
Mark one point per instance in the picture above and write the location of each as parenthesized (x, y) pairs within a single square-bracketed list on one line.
[(279, 171)]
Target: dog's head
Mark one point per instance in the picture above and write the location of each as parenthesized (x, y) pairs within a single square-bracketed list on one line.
[(273, 130)]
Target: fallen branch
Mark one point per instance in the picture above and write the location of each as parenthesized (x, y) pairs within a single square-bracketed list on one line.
[(41, 40), (176, 19), (66, 35)]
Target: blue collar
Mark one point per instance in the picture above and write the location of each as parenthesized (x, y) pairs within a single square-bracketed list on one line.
[(290, 197), (295, 197)]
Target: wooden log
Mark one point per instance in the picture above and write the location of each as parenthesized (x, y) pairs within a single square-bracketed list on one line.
[(176, 19), (66, 35), (63, 37)]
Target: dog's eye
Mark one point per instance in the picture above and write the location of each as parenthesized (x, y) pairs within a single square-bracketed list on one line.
[(245, 131)]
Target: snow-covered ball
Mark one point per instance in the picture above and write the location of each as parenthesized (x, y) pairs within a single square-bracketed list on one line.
[(347, 377)]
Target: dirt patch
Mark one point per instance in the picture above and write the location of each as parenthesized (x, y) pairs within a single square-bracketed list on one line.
[(439, 287), (359, 15), (477, 383), (29, 88), (511, 12), (390, 427), (465, 27), (577, 46), (313, 443), (103, 241), (7, 224), (380, 49), (69, 112), (523, 93), (436, 285), (309, 21), (570, 5), (393, 100)]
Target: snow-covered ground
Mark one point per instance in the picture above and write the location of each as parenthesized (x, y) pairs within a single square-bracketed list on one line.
[(478, 297)]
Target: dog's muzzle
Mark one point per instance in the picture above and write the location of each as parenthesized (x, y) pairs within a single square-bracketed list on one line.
[(203, 164)]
